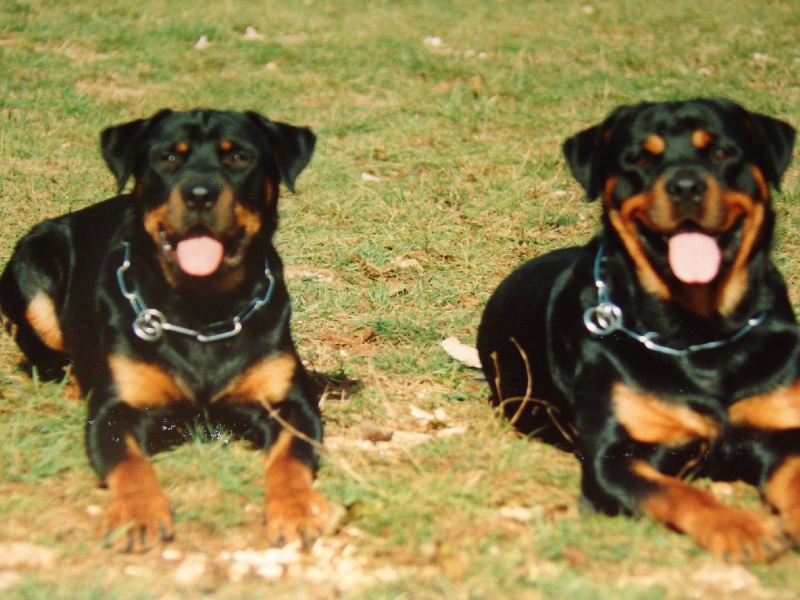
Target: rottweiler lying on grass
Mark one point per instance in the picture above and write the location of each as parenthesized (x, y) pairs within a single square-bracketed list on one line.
[(666, 347), (170, 305)]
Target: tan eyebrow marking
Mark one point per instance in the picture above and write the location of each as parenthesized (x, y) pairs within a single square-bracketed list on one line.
[(655, 144), (701, 139)]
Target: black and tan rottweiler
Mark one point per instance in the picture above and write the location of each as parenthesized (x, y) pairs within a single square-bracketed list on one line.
[(666, 347), (169, 304)]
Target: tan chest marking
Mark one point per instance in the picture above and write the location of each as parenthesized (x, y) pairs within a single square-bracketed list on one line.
[(145, 385), (267, 382), (650, 420), (775, 411)]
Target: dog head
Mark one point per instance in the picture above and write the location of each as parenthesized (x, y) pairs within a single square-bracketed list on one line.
[(206, 185), (685, 187)]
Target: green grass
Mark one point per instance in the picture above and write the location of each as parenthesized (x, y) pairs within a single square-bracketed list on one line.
[(464, 138)]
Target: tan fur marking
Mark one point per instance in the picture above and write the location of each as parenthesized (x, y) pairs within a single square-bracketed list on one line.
[(734, 287), (763, 187), (269, 192), (145, 385), (154, 221), (132, 473), (651, 420), (266, 382), (701, 138), (182, 147), (279, 452), (782, 491), (247, 219), (225, 145), (283, 472), (676, 502), (655, 144), (783, 488), (294, 510), (778, 410), (622, 221), (137, 499), (730, 534), (41, 314)]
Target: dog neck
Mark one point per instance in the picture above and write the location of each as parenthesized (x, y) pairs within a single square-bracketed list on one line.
[(150, 324), (606, 318)]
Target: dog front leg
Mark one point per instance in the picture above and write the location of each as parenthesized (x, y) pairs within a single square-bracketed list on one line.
[(729, 534), (293, 509), (140, 514), (275, 397)]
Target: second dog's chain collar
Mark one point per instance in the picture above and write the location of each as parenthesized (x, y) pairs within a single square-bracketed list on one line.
[(606, 318), (150, 323)]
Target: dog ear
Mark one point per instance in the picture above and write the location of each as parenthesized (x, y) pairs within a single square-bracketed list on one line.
[(120, 143), (584, 153), (581, 150), (291, 147), (774, 142)]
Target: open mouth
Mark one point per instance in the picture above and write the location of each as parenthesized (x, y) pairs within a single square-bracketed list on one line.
[(199, 253), (693, 255)]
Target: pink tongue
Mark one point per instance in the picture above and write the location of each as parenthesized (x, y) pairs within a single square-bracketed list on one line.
[(694, 257), (199, 256)]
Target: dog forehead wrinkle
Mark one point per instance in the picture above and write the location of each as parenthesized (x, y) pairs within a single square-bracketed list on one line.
[(678, 119), (197, 127)]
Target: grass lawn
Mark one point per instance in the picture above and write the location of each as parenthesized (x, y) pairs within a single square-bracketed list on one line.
[(437, 171)]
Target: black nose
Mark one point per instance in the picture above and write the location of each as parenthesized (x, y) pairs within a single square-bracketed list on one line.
[(686, 187), (200, 196)]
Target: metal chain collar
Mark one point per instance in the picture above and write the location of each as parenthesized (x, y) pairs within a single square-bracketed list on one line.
[(606, 318), (150, 323)]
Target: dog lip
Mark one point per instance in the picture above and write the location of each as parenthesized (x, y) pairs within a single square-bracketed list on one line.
[(691, 226), (170, 240), (234, 249), (197, 230), (233, 245), (684, 225), (658, 240), (656, 243)]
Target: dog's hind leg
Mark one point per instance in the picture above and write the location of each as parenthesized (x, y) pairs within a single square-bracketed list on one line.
[(32, 290)]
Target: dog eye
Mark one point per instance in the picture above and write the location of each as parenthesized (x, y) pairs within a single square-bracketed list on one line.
[(644, 160), (172, 159), (721, 153), (237, 158)]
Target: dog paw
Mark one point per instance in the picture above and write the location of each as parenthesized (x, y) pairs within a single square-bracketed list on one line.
[(742, 537), (299, 515), (139, 521)]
